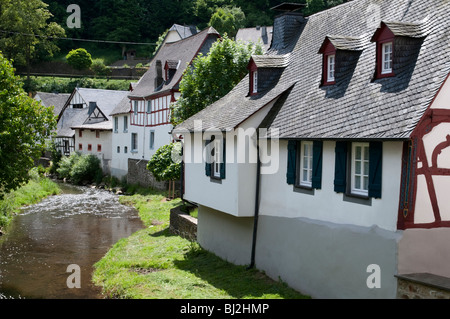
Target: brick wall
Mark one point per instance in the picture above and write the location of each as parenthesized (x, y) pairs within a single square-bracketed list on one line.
[(183, 224), (423, 286), (139, 174)]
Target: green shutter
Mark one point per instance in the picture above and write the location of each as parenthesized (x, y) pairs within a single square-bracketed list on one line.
[(207, 159), (340, 169), (291, 162), (222, 165), (317, 164), (375, 168)]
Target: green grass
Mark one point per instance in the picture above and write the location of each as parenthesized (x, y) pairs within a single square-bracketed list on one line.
[(155, 264), (34, 191)]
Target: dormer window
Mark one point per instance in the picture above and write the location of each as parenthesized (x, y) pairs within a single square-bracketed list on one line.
[(386, 63), (170, 69), (331, 62), (384, 39), (328, 50), (255, 81)]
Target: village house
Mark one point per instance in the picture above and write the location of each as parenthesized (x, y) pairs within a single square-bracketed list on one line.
[(142, 119), (328, 166), (84, 124), (261, 35)]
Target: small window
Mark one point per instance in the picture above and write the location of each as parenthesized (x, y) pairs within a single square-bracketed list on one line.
[(149, 106), (118, 149), (135, 107), (97, 134), (216, 158), (99, 147), (125, 149), (80, 147), (360, 169), (386, 63), (80, 133), (255, 82), (89, 147), (77, 106), (306, 163), (152, 140), (134, 142), (331, 61), (125, 124), (116, 124)]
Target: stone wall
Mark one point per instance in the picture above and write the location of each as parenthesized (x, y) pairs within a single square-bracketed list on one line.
[(423, 286), (183, 224), (139, 174)]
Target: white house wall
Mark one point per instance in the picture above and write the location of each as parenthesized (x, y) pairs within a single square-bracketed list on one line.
[(90, 137), (279, 199)]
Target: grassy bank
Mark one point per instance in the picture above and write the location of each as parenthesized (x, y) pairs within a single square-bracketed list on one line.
[(37, 188), (155, 264)]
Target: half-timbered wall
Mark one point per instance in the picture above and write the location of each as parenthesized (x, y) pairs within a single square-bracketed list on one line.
[(77, 101), (151, 112)]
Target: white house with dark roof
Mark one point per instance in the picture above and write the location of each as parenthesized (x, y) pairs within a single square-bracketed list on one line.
[(84, 124), (142, 120), (261, 35), (350, 119)]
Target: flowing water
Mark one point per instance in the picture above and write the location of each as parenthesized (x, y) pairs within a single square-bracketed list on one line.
[(75, 228)]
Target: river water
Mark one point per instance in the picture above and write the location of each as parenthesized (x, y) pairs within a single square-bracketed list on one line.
[(76, 227)]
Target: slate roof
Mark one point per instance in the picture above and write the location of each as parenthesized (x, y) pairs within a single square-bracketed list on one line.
[(58, 100), (184, 31), (184, 51), (261, 35), (106, 101), (357, 106)]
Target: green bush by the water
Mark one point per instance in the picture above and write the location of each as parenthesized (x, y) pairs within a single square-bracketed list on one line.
[(80, 168)]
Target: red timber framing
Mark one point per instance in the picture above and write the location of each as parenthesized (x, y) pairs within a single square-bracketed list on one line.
[(414, 153), (382, 36), (158, 113), (327, 50)]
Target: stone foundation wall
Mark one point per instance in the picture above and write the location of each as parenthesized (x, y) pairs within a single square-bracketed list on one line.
[(139, 174), (183, 224), (423, 286)]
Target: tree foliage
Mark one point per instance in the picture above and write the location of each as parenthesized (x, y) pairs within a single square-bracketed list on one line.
[(165, 164), (212, 76), (29, 30), (228, 20), (24, 127), (79, 59)]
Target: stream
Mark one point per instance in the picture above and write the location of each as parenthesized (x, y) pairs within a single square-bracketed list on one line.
[(77, 227)]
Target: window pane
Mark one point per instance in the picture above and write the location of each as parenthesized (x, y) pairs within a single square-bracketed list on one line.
[(358, 152), (366, 183), (358, 167), (358, 182)]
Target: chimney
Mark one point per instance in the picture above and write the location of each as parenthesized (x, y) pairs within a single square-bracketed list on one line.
[(287, 26), (159, 76)]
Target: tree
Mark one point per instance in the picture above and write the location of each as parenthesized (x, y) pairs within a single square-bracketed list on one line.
[(228, 20), (314, 6), (212, 77), (28, 31), (165, 164), (79, 59), (25, 125)]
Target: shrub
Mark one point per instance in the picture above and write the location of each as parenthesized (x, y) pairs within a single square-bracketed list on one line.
[(79, 59), (99, 67), (86, 169), (66, 164)]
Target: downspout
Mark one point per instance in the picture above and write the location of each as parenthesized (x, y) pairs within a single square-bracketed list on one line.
[(257, 198)]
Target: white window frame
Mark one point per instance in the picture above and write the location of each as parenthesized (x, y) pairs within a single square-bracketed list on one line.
[(306, 164), (216, 158), (134, 142), (331, 67), (116, 124), (255, 82), (363, 173), (125, 124), (386, 57)]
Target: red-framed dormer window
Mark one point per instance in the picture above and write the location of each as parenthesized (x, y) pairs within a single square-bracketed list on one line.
[(384, 39), (328, 52), (253, 77)]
